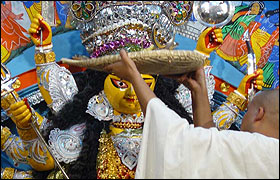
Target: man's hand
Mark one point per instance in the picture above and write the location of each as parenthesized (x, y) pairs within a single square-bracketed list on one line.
[(209, 40), (125, 69), (38, 24), (194, 81)]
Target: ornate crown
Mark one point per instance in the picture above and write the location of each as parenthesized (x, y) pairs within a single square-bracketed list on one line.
[(108, 26)]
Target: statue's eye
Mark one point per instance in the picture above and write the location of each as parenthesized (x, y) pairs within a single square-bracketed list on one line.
[(119, 83)]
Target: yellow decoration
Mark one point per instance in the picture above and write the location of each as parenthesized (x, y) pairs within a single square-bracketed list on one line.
[(41, 58), (8, 100), (224, 87), (44, 92), (19, 153), (5, 54), (5, 134), (115, 130), (237, 100), (259, 39), (121, 95), (8, 173), (276, 43), (207, 62), (223, 119), (28, 133), (16, 84), (40, 166), (243, 89)]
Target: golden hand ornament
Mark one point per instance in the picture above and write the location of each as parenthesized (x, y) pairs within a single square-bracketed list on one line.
[(209, 40), (38, 24), (256, 78)]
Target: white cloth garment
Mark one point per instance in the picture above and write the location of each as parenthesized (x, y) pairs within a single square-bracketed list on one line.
[(172, 148)]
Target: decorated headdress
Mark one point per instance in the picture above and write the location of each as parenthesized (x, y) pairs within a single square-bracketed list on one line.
[(136, 26)]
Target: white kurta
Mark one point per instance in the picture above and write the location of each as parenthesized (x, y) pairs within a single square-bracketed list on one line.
[(172, 148)]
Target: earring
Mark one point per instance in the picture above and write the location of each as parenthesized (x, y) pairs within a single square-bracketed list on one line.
[(100, 108)]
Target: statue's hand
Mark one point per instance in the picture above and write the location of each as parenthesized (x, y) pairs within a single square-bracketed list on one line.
[(209, 40), (256, 78), (38, 24), (21, 114)]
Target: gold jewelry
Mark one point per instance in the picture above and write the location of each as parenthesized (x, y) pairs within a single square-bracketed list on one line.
[(237, 100), (5, 134), (224, 87), (41, 58), (109, 165), (57, 173), (127, 125), (8, 100), (8, 173)]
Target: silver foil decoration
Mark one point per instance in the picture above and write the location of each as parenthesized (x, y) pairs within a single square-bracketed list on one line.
[(23, 174), (128, 118), (191, 30), (127, 145), (35, 98), (48, 12), (61, 86), (35, 152), (226, 112), (100, 108), (13, 146), (66, 145), (106, 26)]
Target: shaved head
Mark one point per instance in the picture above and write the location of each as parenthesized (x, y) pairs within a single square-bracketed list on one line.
[(269, 99), (263, 114)]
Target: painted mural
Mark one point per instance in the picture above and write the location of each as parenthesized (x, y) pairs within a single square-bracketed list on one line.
[(16, 18), (263, 25)]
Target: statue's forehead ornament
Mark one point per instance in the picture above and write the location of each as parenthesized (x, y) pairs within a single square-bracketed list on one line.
[(108, 26)]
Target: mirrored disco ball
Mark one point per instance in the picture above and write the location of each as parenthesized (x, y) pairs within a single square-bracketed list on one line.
[(213, 13)]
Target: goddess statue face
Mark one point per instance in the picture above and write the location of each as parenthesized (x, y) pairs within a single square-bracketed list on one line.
[(121, 95)]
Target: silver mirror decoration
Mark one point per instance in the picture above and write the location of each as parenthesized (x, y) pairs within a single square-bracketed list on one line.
[(213, 13)]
